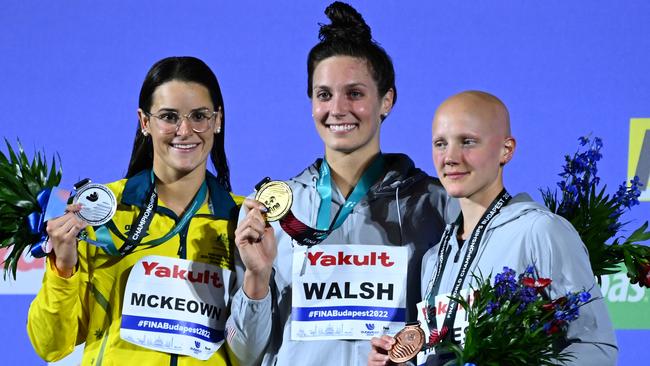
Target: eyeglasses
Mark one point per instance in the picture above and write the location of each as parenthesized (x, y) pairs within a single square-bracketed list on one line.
[(170, 121)]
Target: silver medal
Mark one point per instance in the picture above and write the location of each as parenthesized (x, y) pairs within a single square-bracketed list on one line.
[(98, 204)]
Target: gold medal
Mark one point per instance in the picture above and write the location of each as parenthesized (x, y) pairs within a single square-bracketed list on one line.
[(408, 342), (277, 197)]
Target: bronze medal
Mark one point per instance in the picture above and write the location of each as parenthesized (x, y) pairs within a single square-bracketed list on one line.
[(408, 342), (277, 197)]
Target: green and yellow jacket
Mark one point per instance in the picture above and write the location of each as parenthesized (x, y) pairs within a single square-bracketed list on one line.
[(87, 307)]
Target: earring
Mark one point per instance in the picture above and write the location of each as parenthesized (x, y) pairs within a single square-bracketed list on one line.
[(384, 115), (144, 132), (218, 130)]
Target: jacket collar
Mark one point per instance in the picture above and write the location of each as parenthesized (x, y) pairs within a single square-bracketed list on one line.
[(137, 187), (400, 172)]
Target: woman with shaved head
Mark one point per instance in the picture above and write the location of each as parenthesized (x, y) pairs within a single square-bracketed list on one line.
[(472, 144)]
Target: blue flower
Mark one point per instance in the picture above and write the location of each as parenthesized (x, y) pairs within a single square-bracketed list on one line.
[(598, 142), (627, 197), (527, 295), (492, 307), (505, 283), (572, 189)]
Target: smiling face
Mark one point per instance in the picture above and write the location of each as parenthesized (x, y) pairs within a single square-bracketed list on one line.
[(346, 106), (182, 152), (471, 143)]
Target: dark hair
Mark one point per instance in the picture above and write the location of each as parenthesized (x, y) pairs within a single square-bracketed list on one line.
[(188, 69), (349, 35)]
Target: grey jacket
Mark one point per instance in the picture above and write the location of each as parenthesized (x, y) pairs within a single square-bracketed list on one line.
[(405, 209), (526, 233)]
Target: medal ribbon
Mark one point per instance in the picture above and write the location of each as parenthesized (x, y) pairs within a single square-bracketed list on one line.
[(443, 254), (144, 220), (305, 235)]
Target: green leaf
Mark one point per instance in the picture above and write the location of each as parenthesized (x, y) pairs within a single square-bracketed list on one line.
[(54, 177), (639, 234), (9, 225), (11, 182), (629, 263), (13, 160), (6, 197), (23, 161)]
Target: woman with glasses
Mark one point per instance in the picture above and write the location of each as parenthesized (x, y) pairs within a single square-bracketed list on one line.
[(151, 286), (332, 273)]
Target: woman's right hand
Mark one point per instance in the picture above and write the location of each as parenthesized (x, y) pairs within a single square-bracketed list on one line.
[(380, 346), (63, 232), (255, 240)]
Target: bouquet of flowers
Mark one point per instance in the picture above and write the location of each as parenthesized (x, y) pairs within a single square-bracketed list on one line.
[(24, 190), (514, 321), (597, 216)]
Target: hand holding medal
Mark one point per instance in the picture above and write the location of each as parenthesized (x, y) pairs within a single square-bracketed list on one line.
[(399, 348), (255, 238), (91, 204), (408, 342), (276, 196)]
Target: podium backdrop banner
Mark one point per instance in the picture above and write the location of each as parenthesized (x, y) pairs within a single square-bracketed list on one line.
[(71, 75)]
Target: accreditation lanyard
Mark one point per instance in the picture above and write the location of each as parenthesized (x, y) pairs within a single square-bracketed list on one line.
[(308, 236), (142, 222), (444, 253), (324, 188)]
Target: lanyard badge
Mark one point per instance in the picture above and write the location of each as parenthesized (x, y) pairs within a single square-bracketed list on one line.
[(405, 349)]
